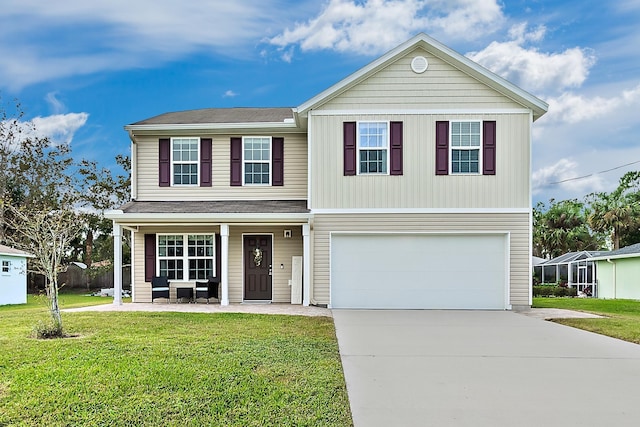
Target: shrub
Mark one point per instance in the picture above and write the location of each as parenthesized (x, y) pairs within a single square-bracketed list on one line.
[(553, 290), (44, 330)]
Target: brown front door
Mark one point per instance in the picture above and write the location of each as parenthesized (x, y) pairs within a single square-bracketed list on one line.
[(257, 267)]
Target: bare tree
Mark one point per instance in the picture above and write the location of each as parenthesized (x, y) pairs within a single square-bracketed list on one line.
[(48, 236), (39, 214)]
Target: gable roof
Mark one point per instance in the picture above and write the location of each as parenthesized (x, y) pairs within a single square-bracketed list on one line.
[(446, 54), (631, 251), (574, 256), (6, 250)]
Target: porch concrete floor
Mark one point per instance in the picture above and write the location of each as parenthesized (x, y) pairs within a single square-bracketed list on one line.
[(274, 308)]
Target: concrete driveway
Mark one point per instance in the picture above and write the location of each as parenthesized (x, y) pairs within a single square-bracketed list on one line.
[(483, 368)]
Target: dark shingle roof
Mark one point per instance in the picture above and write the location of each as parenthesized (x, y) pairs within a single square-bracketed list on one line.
[(627, 250), (221, 207), (221, 115)]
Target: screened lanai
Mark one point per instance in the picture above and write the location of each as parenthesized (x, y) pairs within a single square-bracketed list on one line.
[(571, 268)]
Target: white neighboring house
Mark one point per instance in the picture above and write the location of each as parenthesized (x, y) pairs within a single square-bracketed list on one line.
[(13, 275)]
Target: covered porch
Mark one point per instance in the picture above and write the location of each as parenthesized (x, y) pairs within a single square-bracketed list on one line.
[(258, 251)]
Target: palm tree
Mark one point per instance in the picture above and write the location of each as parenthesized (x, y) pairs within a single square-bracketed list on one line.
[(616, 213)]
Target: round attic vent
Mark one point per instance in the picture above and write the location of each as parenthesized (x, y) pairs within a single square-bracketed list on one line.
[(419, 64)]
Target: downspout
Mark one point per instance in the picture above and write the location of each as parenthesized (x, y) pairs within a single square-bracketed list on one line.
[(614, 277)]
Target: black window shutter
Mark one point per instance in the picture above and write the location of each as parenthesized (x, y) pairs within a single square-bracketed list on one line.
[(442, 148), (489, 148), (164, 168), (236, 161), (149, 256), (277, 161), (396, 148), (205, 162), (349, 134)]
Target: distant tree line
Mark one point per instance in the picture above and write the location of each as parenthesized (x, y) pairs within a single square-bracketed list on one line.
[(52, 205), (599, 222)]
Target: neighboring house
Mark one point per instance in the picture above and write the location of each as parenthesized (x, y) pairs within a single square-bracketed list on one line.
[(619, 273), (573, 268), (405, 185), (13, 275)]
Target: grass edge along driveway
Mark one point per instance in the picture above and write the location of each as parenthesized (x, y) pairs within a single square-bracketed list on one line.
[(622, 317), (223, 369)]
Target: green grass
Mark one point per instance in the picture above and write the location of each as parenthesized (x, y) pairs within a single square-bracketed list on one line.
[(174, 369), (622, 316)]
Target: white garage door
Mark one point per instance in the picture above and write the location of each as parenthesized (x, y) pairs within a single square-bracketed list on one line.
[(424, 271)]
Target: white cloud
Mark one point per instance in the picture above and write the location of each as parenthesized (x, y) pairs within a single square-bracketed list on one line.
[(572, 108), (59, 128), (564, 170), (535, 70), (117, 34), (229, 94), (371, 27)]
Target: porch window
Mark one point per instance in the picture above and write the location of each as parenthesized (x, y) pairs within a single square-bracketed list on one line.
[(184, 155), (6, 266), (257, 160), (186, 256)]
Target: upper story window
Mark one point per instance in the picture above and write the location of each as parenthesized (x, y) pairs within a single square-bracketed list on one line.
[(256, 160), (466, 142), (186, 256), (184, 160), (466, 147), (373, 147), (6, 266)]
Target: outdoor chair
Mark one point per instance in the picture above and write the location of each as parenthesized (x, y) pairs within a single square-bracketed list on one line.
[(208, 289), (159, 287)]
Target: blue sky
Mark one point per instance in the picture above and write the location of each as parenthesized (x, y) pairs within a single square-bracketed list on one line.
[(83, 69)]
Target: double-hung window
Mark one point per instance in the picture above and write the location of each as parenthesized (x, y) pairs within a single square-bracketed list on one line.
[(184, 157), (466, 143), (256, 160), (373, 147), (6, 266), (186, 256)]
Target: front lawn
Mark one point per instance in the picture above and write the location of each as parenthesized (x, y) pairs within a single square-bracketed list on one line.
[(622, 316), (170, 369)]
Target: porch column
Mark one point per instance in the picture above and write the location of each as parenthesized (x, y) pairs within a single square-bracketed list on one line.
[(224, 261), (306, 264), (117, 263)]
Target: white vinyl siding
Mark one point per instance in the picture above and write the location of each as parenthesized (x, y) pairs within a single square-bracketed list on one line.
[(419, 187), (295, 173), (441, 87)]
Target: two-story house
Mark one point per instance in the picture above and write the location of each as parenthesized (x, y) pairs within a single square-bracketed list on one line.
[(405, 185)]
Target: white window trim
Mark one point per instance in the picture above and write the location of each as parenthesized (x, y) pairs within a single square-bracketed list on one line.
[(185, 257), (451, 148), (197, 162), (5, 264), (244, 161), (388, 148)]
